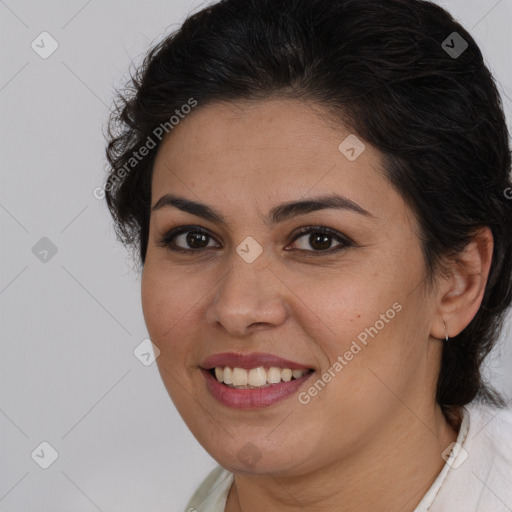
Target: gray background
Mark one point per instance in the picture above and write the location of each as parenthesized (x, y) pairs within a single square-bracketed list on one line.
[(70, 325)]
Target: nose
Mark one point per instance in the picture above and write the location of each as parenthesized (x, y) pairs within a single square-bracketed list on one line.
[(250, 296)]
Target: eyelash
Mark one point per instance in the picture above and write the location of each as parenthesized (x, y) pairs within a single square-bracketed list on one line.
[(167, 240)]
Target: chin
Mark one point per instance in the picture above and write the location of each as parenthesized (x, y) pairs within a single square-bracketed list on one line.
[(248, 458)]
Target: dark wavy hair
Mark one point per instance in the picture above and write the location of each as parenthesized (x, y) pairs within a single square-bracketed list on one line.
[(387, 70)]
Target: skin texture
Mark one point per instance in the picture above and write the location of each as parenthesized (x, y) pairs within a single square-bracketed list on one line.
[(372, 438)]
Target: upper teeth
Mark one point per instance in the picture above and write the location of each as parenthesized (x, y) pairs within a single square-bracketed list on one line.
[(256, 377)]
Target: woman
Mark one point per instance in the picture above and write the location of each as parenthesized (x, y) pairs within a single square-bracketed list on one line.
[(317, 194)]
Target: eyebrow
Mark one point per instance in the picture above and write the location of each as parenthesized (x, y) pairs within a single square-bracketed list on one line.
[(278, 214)]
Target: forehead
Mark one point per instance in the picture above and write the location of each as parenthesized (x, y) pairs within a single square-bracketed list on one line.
[(264, 152)]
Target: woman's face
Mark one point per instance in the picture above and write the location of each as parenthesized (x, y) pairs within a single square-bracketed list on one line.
[(359, 316)]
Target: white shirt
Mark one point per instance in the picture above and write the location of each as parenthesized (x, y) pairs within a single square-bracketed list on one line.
[(477, 475)]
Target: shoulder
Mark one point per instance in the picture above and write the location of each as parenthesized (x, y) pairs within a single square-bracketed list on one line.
[(490, 430), (212, 493), (479, 477)]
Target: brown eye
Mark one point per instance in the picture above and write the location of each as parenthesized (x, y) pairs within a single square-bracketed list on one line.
[(320, 239), (195, 240), (186, 239)]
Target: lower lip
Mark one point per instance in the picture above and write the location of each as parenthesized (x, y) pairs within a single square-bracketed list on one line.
[(252, 398)]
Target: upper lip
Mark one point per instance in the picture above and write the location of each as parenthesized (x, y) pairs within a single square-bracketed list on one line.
[(248, 361)]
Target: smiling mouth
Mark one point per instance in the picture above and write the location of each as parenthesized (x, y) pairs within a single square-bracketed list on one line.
[(256, 378)]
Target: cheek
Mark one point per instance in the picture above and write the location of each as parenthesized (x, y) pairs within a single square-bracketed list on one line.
[(153, 297), (165, 304), (167, 307), (362, 326), (340, 308)]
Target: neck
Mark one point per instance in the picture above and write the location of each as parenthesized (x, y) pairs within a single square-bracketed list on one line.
[(392, 472)]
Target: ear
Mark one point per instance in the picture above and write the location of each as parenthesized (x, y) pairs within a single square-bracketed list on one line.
[(461, 294)]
